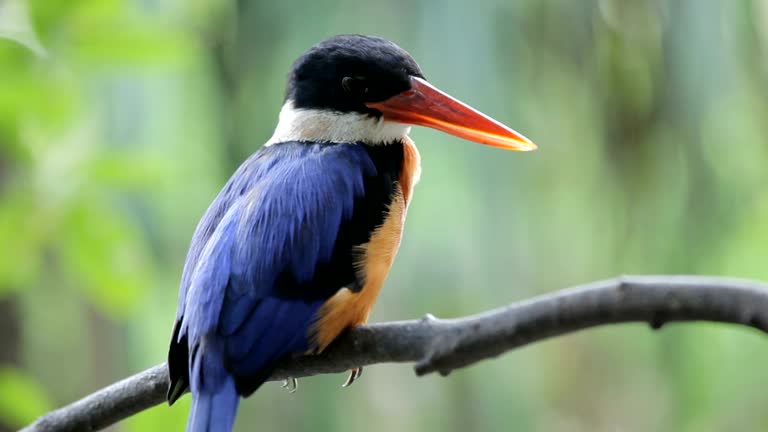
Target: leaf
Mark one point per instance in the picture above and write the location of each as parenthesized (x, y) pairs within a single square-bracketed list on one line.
[(22, 398), (16, 25)]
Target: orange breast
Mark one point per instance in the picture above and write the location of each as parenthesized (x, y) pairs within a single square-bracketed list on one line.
[(347, 308)]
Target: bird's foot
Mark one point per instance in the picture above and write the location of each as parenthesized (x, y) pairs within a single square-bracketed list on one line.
[(290, 384), (354, 374)]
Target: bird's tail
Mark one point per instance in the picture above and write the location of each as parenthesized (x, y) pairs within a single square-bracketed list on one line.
[(214, 395), (214, 412)]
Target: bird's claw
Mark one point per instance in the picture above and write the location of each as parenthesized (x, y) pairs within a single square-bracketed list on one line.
[(290, 384), (354, 374)]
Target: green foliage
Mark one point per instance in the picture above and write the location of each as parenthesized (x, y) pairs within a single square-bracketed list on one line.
[(20, 238), (161, 418), (98, 249), (22, 398)]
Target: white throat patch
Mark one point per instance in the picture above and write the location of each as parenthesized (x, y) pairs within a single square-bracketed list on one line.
[(329, 126)]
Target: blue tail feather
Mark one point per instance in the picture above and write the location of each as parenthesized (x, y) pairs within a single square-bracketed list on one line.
[(214, 412), (214, 396)]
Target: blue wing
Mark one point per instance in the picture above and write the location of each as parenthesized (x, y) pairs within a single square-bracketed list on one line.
[(275, 244)]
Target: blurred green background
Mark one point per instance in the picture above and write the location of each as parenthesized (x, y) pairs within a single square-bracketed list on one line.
[(120, 120)]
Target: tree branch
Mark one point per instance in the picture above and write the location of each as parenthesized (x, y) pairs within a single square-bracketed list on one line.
[(438, 345)]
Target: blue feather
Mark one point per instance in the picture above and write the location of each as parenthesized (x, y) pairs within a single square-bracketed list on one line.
[(250, 290), (214, 397)]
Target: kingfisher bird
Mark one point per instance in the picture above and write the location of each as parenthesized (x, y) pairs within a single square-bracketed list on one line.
[(298, 243)]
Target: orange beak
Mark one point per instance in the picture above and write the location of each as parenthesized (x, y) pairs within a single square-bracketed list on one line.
[(425, 105)]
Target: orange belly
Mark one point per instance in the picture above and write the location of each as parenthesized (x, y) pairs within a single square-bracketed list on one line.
[(347, 308)]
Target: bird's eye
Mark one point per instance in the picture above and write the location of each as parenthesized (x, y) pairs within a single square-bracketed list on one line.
[(355, 85)]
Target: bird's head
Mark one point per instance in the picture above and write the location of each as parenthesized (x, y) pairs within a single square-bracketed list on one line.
[(354, 88)]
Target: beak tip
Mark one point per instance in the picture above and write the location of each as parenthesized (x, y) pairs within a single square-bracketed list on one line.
[(525, 145)]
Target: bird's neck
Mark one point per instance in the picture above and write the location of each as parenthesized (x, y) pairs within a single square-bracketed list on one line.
[(317, 125)]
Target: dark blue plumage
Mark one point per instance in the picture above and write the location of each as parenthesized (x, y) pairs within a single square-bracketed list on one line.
[(275, 244)]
